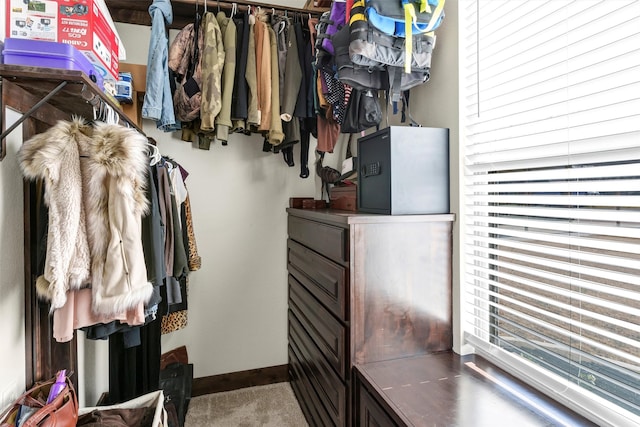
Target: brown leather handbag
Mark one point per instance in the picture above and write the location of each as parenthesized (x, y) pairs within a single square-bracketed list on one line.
[(61, 412)]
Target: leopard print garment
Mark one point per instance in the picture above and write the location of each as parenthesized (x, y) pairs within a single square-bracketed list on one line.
[(178, 319), (175, 321), (195, 261)]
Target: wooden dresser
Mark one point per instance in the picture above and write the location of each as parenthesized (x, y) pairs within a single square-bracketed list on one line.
[(362, 288)]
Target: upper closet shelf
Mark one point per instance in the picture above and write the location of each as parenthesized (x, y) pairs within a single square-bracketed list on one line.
[(46, 92), (137, 12)]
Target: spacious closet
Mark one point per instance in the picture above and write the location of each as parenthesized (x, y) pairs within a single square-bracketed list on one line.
[(237, 193), (239, 298)]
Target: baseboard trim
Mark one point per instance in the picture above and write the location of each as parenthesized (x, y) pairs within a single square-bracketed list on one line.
[(242, 379)]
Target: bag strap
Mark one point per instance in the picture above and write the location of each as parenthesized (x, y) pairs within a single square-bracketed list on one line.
[(411, 20), (23, 398), (395, 82), (407, 110), (48, 409), (347, 151)]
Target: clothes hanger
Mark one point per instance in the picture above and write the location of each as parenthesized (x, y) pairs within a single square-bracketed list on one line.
[(154, 152), (112, 116), (198, 16)]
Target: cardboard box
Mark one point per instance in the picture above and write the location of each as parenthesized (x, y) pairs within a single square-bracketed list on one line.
[(134, 110), (139, 74), (317, 6), (139, 80), (80, 23)]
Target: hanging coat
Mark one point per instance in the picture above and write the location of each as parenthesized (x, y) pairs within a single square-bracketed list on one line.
[(109, 169), (239, 100), (223, 121), (213, 56), (185, 59), (253, 112)]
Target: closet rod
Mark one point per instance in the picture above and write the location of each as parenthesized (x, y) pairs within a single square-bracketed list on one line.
[(212, 6)]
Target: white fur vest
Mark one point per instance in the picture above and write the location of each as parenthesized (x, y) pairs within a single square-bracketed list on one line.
[(94, 188)]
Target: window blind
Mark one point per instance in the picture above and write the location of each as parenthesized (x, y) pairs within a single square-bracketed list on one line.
[(551, 233)]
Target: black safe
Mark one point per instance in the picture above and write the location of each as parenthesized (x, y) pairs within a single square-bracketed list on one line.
[(404, 170)]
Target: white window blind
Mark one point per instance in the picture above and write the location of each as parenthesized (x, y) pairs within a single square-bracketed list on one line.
[(552, 196)]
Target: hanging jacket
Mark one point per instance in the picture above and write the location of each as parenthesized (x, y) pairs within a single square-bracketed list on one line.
[(304, 104), (186, 62), (275, 135), (213, 57), (280, 25), (292, 76), (53, 157), (223, 121), (263, 70), (240, 88), (158, 100), (253, 112), (109, 170)]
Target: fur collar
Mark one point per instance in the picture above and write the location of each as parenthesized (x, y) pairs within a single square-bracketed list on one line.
[(40, 155), (120, 152), (112, 150)]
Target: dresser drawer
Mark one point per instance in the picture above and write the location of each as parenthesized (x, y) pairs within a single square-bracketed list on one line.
[(369, 413), (329, 389), (326, 280), (328, 240), (325, 331), (307, 398)]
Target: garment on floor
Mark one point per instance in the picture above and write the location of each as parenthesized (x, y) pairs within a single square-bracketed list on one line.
[(138, 417)]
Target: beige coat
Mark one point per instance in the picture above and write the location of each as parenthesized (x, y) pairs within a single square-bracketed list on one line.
[(223, 121), (276, 136), (213, 57), (100, 171), (263, 65), (251, 74)]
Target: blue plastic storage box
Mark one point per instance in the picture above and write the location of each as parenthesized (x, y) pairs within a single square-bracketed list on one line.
[(39, 53)]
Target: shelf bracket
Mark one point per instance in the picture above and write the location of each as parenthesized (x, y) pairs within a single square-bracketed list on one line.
[(24, 116)]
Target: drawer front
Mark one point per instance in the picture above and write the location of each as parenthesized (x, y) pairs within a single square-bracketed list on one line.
[(370, 413), (324, 382), (307, 398), (326, 280), (325, 331), (328, 240)]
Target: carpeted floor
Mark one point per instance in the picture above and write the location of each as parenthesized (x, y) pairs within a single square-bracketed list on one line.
[(271, 405)]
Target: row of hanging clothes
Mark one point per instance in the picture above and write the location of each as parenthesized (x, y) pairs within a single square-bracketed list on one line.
[(116, 240), (250, 72)]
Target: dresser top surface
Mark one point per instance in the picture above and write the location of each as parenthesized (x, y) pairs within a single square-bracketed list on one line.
[(346, 218)]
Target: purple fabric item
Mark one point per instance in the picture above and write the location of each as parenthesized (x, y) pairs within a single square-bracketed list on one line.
[(337, 17), (323, 84)]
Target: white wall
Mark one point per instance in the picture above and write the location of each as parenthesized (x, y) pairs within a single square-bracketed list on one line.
[(12, 360), (238, 300)]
